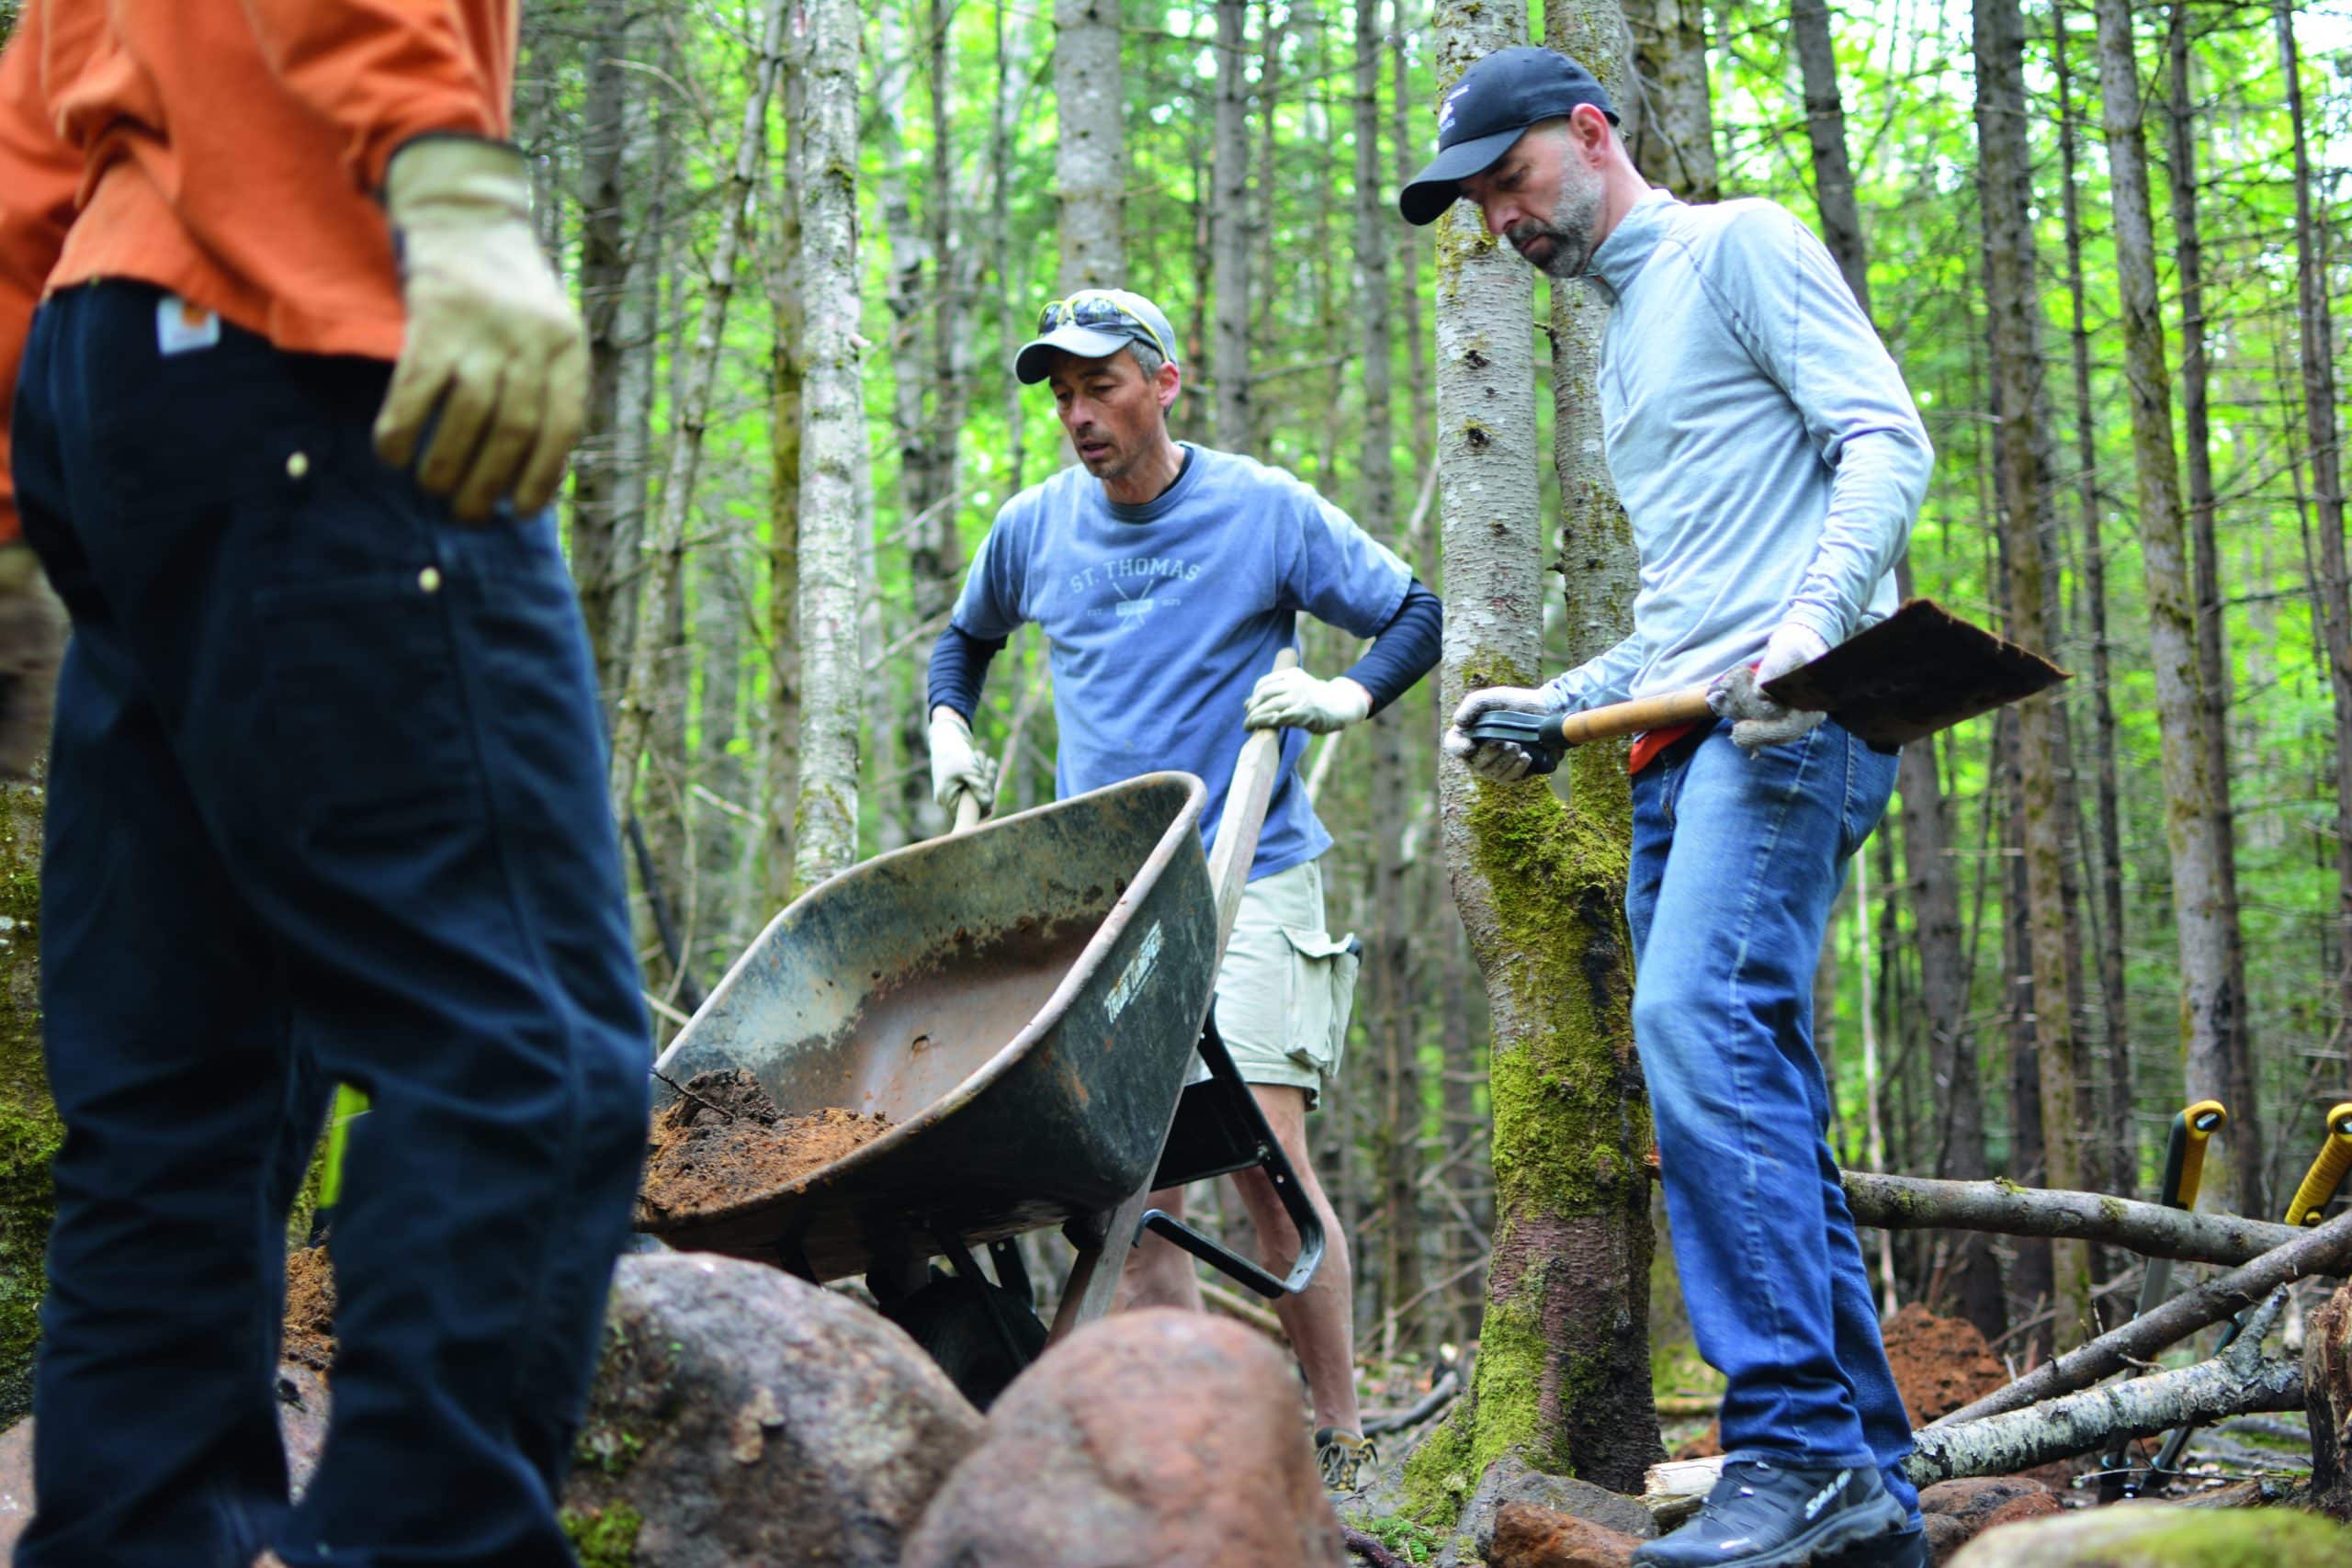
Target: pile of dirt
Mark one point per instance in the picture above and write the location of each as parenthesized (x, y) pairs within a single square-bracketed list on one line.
[(723, 1142), (1941, 1363), (309, 1338)]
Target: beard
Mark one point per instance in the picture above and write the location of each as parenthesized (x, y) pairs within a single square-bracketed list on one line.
[(1569, 234)]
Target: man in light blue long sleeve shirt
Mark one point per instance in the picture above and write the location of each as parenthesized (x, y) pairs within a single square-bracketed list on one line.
[(1771, 463)]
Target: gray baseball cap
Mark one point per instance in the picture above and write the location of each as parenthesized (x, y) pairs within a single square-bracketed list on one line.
[(1092, 323)]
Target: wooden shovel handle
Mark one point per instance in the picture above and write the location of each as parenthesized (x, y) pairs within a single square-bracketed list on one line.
[(1245, 813), (1634, 718)]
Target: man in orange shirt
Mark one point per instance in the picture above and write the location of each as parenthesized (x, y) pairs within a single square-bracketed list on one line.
[(326, 794)]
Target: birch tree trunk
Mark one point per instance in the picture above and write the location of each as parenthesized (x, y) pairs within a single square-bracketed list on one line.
[(787, 369), (1673, 125), (600, 475), (1229, 232), (2212, 645), (1090, 164), (2114, 1001), (664, 549), (2208, 1007), (1410, 157), (834, 525), (1563, 1371), (2318, 354), (2013, 308), (1973, 1276)]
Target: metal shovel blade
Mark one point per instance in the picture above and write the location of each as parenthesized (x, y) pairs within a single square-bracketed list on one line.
[(1920, 669)]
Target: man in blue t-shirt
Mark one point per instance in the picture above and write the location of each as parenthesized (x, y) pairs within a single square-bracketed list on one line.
[(1167, 577)]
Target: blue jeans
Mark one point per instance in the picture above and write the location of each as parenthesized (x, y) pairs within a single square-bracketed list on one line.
[(1736, 862), (326, 804)]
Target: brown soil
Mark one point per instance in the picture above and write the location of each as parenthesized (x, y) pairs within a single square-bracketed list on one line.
[(1941, 1363), (724, 1142), (310, 1309)]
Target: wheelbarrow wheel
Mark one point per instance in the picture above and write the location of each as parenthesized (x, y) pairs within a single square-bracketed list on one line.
[(980, 1334)]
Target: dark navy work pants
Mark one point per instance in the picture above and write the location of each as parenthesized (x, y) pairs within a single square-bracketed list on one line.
[(326, 804)]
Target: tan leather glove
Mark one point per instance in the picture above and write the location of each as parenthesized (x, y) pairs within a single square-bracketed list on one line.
[(494, 349), (32, 641)]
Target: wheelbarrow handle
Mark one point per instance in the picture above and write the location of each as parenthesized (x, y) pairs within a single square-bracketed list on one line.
[(1245, 815)]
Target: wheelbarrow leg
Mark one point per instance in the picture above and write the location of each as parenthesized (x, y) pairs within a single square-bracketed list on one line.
[(1094, 1278)]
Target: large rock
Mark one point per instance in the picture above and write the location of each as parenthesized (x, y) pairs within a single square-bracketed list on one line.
[(1145, 1439), (2162, 1535), (301, 1418), (1511, 1479), (741, 1417), (1527, 1537), (1956, 1512)]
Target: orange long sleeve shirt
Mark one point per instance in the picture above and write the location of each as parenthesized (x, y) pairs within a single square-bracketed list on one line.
[(229, 152)]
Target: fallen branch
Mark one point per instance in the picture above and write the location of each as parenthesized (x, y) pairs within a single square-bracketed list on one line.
[(2326, 1250), (1420, 1410), (1906, 1202), (2239, 1381), (1368, 1547)]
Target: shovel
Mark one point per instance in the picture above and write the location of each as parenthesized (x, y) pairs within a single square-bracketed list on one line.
[(1921, 669)]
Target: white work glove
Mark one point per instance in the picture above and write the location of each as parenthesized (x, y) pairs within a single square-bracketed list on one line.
[(956, 765), (494, 350), (1498, 761), (1292, 699), (1739, 692), (32, 644)]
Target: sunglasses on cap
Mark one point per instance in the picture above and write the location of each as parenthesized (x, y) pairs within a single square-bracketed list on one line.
[(1095, 308)]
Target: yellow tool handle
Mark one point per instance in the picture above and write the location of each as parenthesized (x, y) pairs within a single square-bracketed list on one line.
[(2320, 1181), (2203, 1119), (1634, 718)]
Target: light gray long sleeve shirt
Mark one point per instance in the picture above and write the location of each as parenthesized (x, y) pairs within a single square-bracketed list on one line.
[(1768, 453)]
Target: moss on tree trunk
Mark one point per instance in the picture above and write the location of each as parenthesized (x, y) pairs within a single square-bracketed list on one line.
[(29, 1132)]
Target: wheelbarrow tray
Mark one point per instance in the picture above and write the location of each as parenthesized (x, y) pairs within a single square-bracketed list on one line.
[(1017, 1000)]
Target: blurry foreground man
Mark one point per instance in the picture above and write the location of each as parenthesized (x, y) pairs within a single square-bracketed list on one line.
[(327, 786)]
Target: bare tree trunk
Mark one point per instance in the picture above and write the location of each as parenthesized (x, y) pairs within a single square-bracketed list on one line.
[(834, 529), (1229, 232), (1012, 281), (780, 763), (1974, 1275), (599, 479), (2114, 1001), (1673, 122), (2318, 354), (1563, 1371), (2212, 647), (2004, 1208), (1410, 157), (2034, 1274), (665, 549), (1090, 162), (2208, 1006), (2013, 310), (1397, 1136)]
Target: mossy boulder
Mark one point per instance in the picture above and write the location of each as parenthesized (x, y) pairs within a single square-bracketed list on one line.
[(2160, 1535)]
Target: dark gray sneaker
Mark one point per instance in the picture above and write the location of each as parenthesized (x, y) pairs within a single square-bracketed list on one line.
[(1908, 1549), (1764, 1514)]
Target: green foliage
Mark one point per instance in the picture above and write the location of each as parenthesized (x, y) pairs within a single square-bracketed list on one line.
[(29, 1132), (604, 1538), (1412, 1542)]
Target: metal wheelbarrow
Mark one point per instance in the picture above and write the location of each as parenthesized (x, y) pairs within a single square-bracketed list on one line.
[(1021, 1002)]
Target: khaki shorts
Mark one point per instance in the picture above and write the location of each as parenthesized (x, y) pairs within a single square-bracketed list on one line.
[(1287, 985)]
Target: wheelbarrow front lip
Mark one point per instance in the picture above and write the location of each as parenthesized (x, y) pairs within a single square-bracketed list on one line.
[(1181, 830)]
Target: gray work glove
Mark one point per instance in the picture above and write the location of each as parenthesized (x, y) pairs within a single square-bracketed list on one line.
[(494, 350), (1292, 699), (958, 767), (32, 642), (1739, 692), (1498, 761)]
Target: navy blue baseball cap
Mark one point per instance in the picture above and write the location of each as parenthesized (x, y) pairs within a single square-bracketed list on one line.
[(1486, 112)]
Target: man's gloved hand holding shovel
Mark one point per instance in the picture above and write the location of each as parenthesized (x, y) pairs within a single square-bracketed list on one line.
[(1739, 692)]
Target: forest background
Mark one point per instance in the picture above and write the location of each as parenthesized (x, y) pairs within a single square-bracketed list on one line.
[(806, 235)]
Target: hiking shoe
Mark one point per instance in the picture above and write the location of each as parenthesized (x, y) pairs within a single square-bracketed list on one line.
[(1343, 1457), (1908, 1549), (1766, 1514)]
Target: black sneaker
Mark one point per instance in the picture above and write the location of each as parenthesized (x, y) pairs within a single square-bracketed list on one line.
[(1765, 1514), (1908, 1549)]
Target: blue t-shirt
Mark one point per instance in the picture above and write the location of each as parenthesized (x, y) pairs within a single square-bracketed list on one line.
[(1161, 617)]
